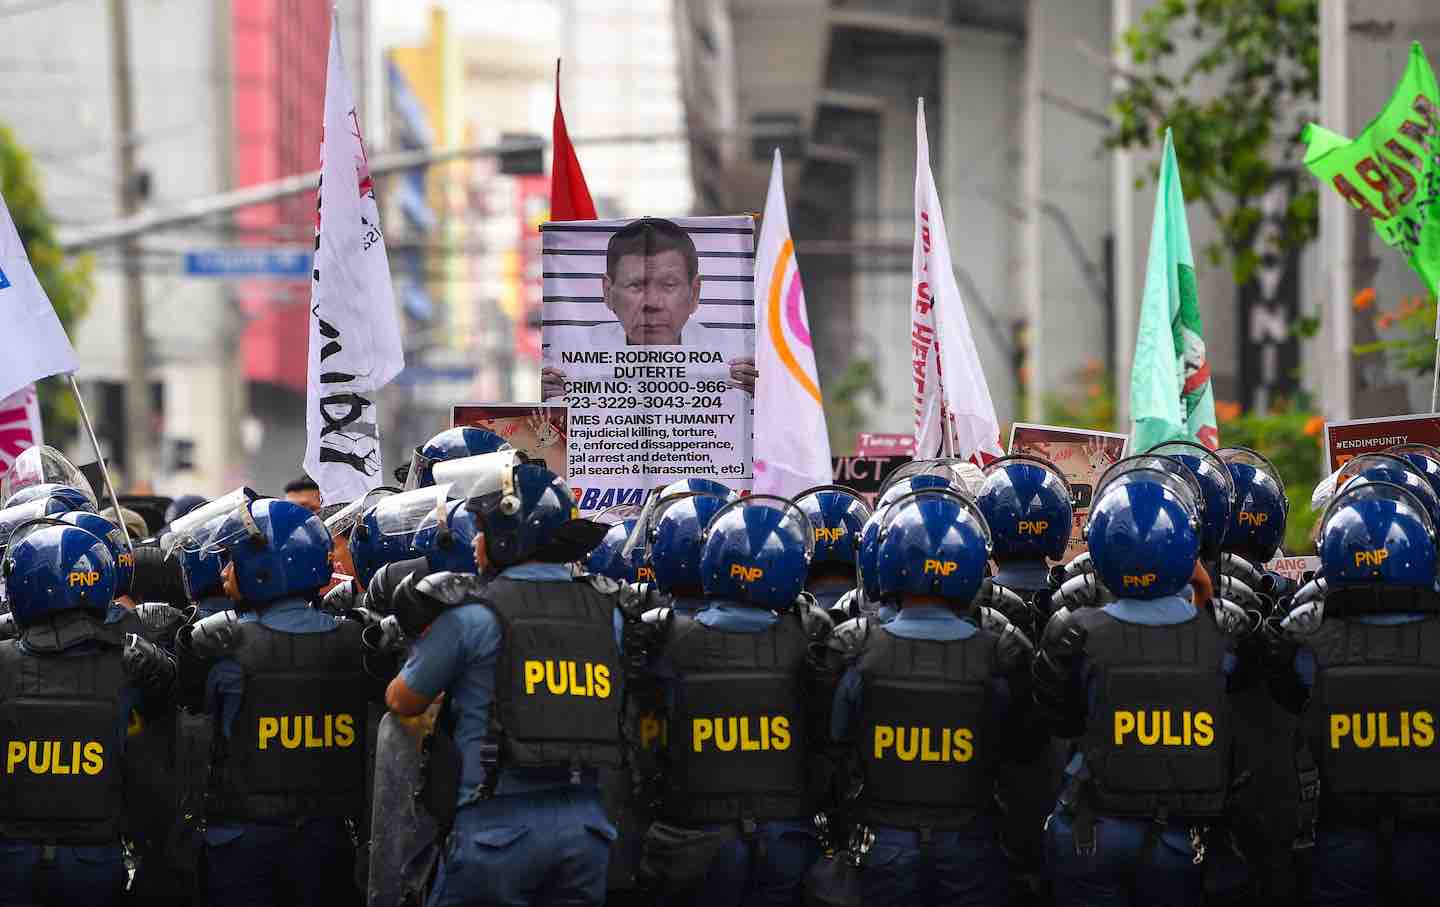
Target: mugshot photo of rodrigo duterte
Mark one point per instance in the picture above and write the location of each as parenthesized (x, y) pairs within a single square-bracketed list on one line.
[(652, 286)]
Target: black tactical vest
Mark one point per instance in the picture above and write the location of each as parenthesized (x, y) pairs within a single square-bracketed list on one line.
[(1371, 720), (559, 683), (60, 737), (1158, 738), (736, 725), (297, 748), (921, 739)]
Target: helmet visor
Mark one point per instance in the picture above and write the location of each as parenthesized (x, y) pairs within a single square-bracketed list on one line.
[(995, 466), (1244, 456), (858, 504), (14, 533), (1183, 486), (1183, 479), (343, 520), (964, 475), (191, 531), (481, 475), (1421, 488), (44, 465), (938, 494), (1364, 489), (1179, 449), (229, 530), (792, 515), (11, 518), (419, 463), (404, 513)]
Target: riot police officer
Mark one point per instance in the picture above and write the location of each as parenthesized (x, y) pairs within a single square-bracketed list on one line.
[(1367, 670), (676, 534), (1026, 502), (736, 805), (836, 514), (1140, 684), (287, 694), (68, 688), (529, 662), (932, 704)]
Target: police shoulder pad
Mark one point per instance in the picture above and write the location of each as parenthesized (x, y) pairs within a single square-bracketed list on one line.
[(849, 637), (216, 636), (657, 616), (452, 589)]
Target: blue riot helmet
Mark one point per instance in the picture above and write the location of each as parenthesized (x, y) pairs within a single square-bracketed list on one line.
[(450, 444), (1027, 504), (43, 465), (51, 568), (1375, 532), (1257, 522), (278, 549), (199, 568), (1216, 486), (1424, 458), (114, 540), (933, 542), (385, 533), (1384, 467), (757, 550), (526, 511), (622, 554), (73, 498), (181, 506), (699, 486), (836, 515), (341, 519), (446, 538), (1144, 531), (676, 531)]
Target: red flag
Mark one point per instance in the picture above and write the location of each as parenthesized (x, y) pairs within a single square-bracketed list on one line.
[(569, 196)]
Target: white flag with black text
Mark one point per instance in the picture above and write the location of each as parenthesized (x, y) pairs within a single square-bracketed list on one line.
[(354, 331)]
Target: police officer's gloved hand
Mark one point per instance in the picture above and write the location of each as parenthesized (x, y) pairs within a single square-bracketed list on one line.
[(151, 667), (343, 598), (416, 602), (1007, 602), (1062, 704), (161, 622)]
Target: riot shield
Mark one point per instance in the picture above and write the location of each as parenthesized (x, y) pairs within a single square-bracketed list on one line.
[(405, 835)]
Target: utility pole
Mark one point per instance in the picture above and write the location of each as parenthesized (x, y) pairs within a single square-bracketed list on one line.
[(137, 379)]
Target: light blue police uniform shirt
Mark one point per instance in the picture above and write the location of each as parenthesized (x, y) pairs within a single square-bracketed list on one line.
[(457, 655), (930, 622), (225, 684)]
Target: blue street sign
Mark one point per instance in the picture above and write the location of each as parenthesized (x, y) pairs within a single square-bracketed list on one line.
[(273, 263)]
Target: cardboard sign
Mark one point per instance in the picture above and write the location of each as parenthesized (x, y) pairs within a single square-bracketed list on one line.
[(1346, 440), (874, 444), (865, 475), (1294, 568), (1081, 454), (534, 429)]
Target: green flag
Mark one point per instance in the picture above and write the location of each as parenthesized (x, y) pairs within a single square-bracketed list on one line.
[(1392, 171), (1170, 394)]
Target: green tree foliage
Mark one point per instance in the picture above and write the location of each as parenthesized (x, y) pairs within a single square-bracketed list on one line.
[(1236, 95), (67, 281), (845, 412)]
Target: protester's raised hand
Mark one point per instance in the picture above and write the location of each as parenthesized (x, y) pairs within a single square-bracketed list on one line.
[(552, 383), (743, 374)]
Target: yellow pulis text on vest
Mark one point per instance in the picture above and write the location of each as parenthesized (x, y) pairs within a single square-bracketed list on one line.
[(567, 678), (1163, 727), (307, 732), (54, 757), (923, 744), (1386, 730), (746, 733)]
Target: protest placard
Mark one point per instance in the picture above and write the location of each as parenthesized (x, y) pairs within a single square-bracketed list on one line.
[(1347, 440), (535, 429), (1081, 454), (648, 335)]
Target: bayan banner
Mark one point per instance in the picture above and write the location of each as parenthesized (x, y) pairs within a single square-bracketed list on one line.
[(536, 430), (1082, 456), (648, 337)]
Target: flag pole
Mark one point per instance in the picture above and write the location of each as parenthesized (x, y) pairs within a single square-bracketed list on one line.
[(104, 470), (1435, 382)]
